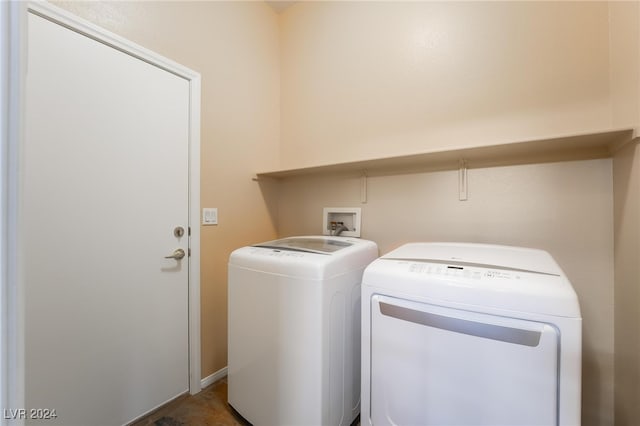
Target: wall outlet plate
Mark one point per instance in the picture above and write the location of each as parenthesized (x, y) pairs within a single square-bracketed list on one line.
[(334, 217)]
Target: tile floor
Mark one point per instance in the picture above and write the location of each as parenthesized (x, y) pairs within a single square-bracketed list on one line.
[(209, 407)]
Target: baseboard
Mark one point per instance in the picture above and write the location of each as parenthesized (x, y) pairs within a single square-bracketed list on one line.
[(214, 377)]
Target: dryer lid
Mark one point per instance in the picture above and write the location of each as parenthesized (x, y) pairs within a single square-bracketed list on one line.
[(305, 244), (479, 275), (483, 255)]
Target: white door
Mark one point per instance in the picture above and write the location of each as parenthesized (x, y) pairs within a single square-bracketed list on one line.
[(106, 183), (432, 365)]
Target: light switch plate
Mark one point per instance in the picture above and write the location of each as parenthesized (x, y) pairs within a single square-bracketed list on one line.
[(209, 216)]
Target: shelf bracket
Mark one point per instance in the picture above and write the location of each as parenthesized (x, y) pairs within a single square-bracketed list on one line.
[(462, 181), (363, 187)]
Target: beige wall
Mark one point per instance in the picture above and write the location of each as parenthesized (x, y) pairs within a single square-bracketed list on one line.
[(624, 54), (371, 79), (227, 42), (625, 62)]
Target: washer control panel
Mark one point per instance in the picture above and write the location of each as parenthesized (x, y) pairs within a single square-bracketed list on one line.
[(276, 252)]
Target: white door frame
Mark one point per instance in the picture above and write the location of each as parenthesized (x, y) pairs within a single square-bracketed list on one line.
[(13, 18), (12, 355)]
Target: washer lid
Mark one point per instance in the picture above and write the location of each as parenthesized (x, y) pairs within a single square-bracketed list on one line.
[(308, 245), (484, 255)]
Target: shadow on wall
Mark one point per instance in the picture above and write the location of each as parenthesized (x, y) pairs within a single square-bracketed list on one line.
[(270, 189), (627, 286), (591, 384)]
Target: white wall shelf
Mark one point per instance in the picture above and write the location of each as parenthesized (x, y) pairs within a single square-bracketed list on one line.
[(579, 146)]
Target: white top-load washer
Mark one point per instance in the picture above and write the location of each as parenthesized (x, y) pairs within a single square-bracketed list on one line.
[(469, 334), (294, 330)]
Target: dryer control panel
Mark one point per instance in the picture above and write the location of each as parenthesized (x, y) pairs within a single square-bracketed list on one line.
[(462, 271)]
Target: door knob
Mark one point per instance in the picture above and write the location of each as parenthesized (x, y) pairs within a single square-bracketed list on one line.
[(177, 254)]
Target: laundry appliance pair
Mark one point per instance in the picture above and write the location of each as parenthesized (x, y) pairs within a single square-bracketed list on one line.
[(455, 334)]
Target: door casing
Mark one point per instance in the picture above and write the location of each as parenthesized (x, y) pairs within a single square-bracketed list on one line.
[(13, 17)]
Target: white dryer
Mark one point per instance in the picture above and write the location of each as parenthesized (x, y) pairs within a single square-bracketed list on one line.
[(294, 330), (469, 334)]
